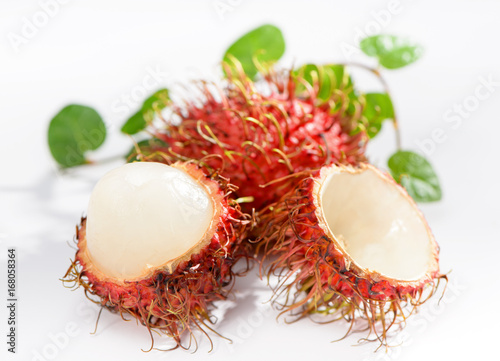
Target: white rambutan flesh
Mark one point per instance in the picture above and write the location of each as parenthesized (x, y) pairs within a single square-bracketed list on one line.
[(144, 215), (376, 223)]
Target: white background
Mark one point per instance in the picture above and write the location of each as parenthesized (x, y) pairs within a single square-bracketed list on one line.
[(95, 53)]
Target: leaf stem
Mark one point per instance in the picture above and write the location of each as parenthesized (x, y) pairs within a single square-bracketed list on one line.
[(89, 162)]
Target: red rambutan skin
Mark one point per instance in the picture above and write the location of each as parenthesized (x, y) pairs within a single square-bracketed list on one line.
[(257, 139), (325, 279), (172, 302)]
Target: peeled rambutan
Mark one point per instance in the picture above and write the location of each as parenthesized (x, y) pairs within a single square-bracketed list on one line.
[(261, 134), (158, 243), (350, 242)]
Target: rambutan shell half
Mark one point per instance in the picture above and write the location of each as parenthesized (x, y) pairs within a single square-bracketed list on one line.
[(315, 241), (375, 211), (176, 296)]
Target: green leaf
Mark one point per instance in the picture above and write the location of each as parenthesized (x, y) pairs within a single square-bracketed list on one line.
[(391, 51), (75, 130), (331, 80), (378, 108), (338, 76), (266, 43), (416, 174), (313, 74), (327, 77), (145, 115), (158, 100), (134, 124)]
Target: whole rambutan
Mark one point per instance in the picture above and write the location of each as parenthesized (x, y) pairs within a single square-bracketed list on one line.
[(159, 243), (264, 133), (350, 242)]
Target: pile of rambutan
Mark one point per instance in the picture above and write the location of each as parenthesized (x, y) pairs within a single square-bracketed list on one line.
[(272, 169)]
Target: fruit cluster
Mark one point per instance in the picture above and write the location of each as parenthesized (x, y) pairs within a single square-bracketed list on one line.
[(272, 170)]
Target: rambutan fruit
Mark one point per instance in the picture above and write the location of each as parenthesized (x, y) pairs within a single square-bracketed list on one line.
[(158, 243), (261, 134), (350, 243)]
